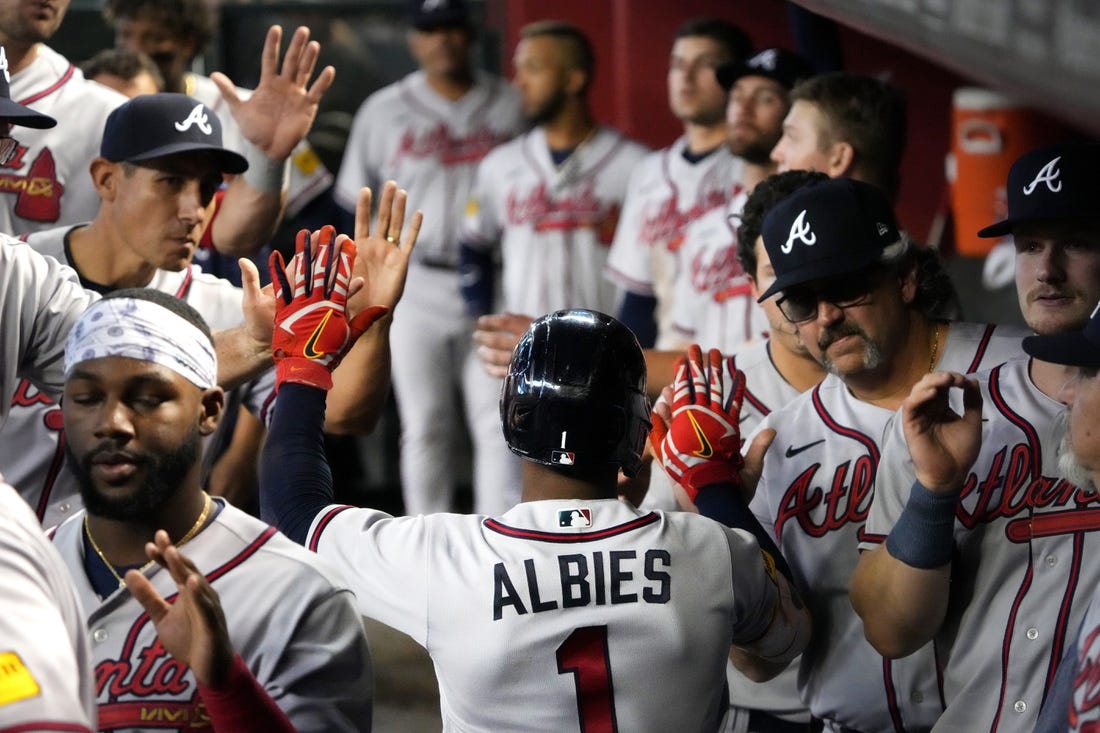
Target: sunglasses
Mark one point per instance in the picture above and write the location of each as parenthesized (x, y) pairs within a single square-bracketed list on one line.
[(799, 303)]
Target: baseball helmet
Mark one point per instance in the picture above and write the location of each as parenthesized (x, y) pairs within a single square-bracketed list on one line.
[(575, 393)]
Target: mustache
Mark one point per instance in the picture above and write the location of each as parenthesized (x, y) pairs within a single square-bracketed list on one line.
[(111, 449), (835, 333)]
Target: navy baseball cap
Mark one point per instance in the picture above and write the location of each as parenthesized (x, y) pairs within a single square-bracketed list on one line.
[(425, 14), (13, 112), (1076, 348), (777, 64), (831, 227), (154, 125), (1055, 183)]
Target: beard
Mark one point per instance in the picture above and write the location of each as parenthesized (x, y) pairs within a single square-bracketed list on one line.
[(756, 150), (872, 352), (1071, 470), (548, 109), (164, 474)]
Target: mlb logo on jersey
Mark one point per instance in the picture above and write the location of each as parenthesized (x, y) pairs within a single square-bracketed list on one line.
[(579, 517)]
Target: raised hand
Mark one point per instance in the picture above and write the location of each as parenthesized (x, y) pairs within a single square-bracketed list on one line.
[(496, 336), (281, 109), (942, 443), (312, 329), (192, 628), (382, 259), (696, 432)]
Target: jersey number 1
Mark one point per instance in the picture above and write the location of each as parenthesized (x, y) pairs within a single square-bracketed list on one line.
[(584, 655)]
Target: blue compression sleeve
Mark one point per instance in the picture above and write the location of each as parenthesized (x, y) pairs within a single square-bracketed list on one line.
[(924, 535), (722, 503), (295, 478), (475, 278), (638, 313)]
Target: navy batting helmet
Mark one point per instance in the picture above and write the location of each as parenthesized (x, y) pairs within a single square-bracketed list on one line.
[(575, 393)]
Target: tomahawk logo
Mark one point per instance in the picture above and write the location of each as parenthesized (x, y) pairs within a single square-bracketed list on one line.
[(197, 117), (800, 230), (1049, 175)]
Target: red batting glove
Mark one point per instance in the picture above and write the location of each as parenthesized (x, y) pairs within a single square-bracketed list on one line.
[(701, 444), (312, 331)]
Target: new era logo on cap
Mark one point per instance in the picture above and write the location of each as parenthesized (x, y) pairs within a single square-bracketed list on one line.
[(831, 227), (1058, 183)]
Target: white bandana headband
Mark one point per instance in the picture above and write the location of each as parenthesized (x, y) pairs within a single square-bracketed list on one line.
[(142, 329)]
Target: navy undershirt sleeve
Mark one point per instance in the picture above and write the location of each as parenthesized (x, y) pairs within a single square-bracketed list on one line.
[(475, 277), (295, 478), (722, 503), (638, 313)]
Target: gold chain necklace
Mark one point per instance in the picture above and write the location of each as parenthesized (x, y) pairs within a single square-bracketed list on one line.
[(935, 347), (207, 503)]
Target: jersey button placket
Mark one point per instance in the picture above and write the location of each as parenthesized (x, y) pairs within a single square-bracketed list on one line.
[(99, 635), (1020, 706), (1033, 634)]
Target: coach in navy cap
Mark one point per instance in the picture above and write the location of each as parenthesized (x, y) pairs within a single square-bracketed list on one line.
[(428, 15)]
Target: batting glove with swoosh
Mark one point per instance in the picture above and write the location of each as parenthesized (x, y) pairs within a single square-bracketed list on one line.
[(701, 444), (312, 330)]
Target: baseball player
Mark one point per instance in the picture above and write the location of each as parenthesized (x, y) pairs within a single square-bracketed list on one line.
[(1070, 703), (715, 305), (46, 678), (173, 34), (847, 279), (429, 130), (999, 521), (129, 73), (46, 182), (565, 601), (139, 394), (548, 202), (672, 187)]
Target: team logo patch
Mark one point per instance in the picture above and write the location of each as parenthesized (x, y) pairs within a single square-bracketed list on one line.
[(769, 564), (801, 232), (575, 518), (563, 457), (198, 118), (16, 681), (1048, 174)]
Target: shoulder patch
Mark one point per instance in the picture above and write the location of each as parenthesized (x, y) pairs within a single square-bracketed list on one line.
[(769, 564), (472, 207), (16, 681), (306, 160)]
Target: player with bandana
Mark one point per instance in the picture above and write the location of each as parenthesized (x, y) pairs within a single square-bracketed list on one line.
[(1003, 541), (847, 279), (139, 394), (570, 591)]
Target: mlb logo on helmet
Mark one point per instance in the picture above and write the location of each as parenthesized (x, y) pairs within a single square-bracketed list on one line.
[(828, 228), (1055, 183), (563, 457), (579, 517)]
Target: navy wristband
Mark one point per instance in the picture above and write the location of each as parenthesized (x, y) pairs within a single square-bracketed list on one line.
[(924, 536)]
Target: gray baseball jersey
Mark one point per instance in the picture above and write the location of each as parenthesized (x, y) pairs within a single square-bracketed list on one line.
[(665, 193), (1025, 562), (46, 680), (1084, 711), (40, 300), (31, 450), (47, 184), (557, 615), (714, 305), (815, 491), (288, 615), (308, 175), (552, 225), (431, 146)]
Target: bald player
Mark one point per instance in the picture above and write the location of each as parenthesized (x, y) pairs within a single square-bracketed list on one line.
[(139, 395), (554, 615), (1005, 557), (847, 279), (429, 130), (672, 187)]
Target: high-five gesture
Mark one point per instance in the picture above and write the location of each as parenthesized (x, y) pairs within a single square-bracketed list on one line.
[(942, 443), (383, 256), (312, 329), (697, 438), (281, 109)]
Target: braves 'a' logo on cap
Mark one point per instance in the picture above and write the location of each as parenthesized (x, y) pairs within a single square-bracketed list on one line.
[(429, 5), (197, 117), (1049, 175), (800, 231), (4, 64), (765, 59)]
